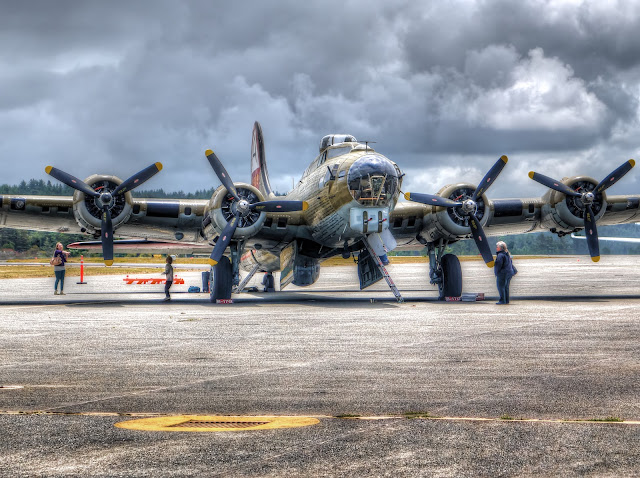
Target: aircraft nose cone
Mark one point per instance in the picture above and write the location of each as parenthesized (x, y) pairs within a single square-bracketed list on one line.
[(373, 180)]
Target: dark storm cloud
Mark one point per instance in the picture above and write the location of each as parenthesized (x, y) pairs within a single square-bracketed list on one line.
[(440, 86)]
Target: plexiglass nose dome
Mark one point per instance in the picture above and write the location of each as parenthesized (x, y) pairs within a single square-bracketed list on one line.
[(373, 180)]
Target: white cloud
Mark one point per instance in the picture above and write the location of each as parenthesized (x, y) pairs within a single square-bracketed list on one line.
[(543, 94)]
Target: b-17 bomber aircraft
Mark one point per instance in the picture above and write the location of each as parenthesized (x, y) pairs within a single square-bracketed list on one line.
[(346, 203)]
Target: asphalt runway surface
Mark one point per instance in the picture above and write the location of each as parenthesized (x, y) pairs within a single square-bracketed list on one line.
[(547, 386)]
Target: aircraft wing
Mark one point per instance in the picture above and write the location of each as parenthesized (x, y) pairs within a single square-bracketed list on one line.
[(411, 222), (160, 225), (168, 220)]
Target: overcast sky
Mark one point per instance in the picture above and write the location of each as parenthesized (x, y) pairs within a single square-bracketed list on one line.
[(444, 88)]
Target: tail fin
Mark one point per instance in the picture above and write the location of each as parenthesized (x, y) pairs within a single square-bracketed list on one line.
[(259, 173)]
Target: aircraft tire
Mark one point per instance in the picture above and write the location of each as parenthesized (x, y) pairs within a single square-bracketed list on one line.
[(452, 276), (221, 278)]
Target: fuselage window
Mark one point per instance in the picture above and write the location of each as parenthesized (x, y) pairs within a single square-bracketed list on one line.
[(282, 222), (187, 211)]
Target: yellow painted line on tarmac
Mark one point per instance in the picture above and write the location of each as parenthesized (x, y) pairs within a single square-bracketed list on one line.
[(503, 420)]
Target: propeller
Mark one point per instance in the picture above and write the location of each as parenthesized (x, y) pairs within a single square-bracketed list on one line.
[(587, 198), (468, 207), (104, 199), (242, 207)]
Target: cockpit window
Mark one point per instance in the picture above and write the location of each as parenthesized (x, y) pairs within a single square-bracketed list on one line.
[(373, 180), (335, 152)]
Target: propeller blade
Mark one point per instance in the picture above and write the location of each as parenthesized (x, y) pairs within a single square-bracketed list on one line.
[(222, 174), (490, 177), (223, 241), (71, 181), (280, 206), (481, 240), (553, 184), (591, 233), (431, 199), (137, 179), (107, 236), (614, 177)]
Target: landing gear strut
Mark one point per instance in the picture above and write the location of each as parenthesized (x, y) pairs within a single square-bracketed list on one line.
[(444, 271)]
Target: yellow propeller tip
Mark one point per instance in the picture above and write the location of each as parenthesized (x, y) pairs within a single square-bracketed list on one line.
[(108, 263), (305, 205), (490, 264), (632, 163), (504, 158), (159, 166), (208, 152), (48, 169), (531, 173), (407, 196), (595, 259), (212, 262)]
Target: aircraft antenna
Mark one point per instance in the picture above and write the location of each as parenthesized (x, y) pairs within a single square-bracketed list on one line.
[(366, 145)]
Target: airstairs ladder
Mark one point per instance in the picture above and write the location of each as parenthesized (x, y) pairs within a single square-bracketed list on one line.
[(383, 271)]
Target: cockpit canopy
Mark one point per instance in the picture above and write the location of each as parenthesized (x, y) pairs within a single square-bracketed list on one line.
[(373, 180), (331, 139)]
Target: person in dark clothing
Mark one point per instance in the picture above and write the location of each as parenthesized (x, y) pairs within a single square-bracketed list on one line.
[(59, 269), (268, 282), (504, 271), (168, 271)]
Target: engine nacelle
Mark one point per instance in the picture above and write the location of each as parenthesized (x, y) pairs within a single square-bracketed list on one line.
[(566, 213), (452, 223), (222, 209), (88, 210)]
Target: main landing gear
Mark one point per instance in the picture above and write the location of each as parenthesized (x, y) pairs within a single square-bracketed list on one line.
[(444, 271), (221, 280), (225, 274)]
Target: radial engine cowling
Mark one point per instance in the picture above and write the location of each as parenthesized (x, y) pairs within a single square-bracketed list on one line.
[(223, 207), (451, 222), (88, 210), (562, 212)]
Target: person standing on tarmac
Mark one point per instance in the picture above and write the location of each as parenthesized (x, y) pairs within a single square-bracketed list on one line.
[(504, 271), (168, 271), (59, 269)]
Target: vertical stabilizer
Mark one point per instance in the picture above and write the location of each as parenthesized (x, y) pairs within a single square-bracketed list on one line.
[(259, 173)]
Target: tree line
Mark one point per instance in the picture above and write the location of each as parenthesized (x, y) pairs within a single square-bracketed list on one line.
[(40, 187)]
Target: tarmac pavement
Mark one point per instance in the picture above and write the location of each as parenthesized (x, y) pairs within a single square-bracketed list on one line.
[(498, 390)]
